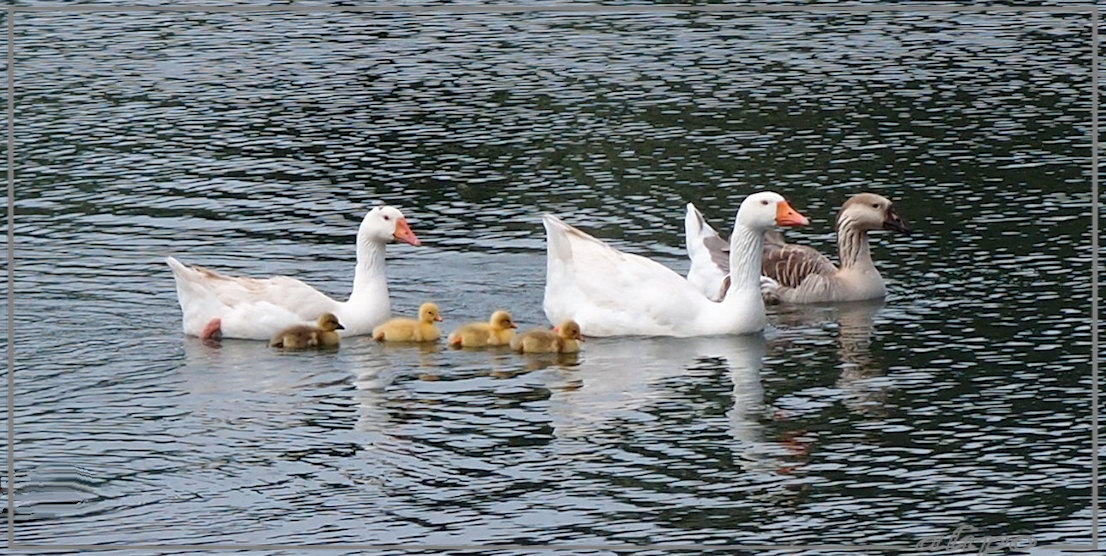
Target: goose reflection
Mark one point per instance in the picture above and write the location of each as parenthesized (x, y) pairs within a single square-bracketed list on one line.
[(747, 414), (616, 378), (855, 324), (251, 390), (238, 365), (376, 366)]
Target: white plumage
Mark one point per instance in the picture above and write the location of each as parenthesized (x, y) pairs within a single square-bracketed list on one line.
[(611, 293), (217, 305)]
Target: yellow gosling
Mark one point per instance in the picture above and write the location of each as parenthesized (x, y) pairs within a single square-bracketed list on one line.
[(304, 336), (565, 338), (411, 330), (498, 331)]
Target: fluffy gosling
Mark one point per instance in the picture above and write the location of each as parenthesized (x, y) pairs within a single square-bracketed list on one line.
[(565, 338), (411, 330), (498, 331), (304, 336)]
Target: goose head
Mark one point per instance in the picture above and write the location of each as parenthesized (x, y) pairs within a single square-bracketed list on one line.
[(761, 211), (329, 323), (385, 224), (428, 313), (869, 211), (501, 320)]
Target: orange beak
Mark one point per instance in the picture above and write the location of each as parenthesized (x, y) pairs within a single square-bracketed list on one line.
[(787, 216), (403, 233)]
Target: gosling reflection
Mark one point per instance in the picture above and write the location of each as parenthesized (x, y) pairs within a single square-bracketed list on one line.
[(424, 351), (537, 361)]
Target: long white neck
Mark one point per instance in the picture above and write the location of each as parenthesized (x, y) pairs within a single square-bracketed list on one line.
[(742, 310), (746, 251), (852, 245), (370, 281)]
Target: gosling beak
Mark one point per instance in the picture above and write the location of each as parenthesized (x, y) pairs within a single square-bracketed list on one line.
[(403, 233), (893, 222), (340, 327), (438, 318), (787, 216), (513, 325)]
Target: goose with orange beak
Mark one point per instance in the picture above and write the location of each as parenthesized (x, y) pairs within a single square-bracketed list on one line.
[(797, 273), (612, 293), (216, 305)]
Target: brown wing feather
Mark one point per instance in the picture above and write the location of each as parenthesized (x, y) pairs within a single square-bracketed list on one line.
[(250, 284), (791, 264), (719, 250)]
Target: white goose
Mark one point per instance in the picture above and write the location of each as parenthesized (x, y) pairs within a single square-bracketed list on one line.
[(611, 293), (216, 305), (799, 274)]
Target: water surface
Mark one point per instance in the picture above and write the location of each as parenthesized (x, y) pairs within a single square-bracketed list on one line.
[(255, 144)]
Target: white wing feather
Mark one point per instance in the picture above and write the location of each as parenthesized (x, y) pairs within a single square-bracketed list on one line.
[(709, 255), (245, 305), (609, 292)]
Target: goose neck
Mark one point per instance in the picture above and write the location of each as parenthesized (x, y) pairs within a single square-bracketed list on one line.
[(369, 277), (746, 250), (852, 245)]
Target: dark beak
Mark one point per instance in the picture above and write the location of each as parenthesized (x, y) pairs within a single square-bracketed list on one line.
[(893, 222), (340, 327)]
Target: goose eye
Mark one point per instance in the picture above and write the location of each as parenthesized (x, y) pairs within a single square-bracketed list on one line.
[(765, 203), (386, 217), (875, 205)]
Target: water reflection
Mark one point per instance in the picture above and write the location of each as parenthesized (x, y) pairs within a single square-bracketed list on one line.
[(621, 376), (539, 361), (853, 326), (746, 417), (377, 366)]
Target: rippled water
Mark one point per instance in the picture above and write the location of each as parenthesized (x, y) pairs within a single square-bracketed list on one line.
[(254, 144)]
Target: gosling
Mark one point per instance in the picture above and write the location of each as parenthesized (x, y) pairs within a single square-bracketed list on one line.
[(498, 331), (304, 336), (565, 338), (411, 330)]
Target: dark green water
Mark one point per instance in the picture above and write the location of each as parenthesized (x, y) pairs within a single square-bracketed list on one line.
[(254, 145)]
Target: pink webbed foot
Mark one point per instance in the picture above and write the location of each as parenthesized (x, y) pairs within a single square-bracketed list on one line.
[(213, 330)]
